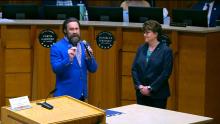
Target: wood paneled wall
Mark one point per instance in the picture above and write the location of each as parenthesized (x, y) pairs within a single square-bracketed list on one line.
[(25, 68), (17, 61)]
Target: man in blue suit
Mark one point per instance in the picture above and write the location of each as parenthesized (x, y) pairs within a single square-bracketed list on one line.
[(71, 58), (213, 8)]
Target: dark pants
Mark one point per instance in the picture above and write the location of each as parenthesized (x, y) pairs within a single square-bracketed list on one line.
[(148, 101)]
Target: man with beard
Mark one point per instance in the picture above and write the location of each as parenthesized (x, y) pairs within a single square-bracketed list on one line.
[(70, 59)]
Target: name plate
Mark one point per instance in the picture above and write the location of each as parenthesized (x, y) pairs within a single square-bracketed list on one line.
[(20, 103)]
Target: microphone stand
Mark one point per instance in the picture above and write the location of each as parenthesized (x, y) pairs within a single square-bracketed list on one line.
[(45, 104)]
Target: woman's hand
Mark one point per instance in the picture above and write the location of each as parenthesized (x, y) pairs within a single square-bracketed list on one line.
[(144, 90)]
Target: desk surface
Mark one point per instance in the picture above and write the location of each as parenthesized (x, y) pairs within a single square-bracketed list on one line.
[(66, 109), (109, 24), (138, 114)]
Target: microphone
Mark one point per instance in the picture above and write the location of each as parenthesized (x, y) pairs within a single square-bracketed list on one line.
[(45, 104), (87, 50)]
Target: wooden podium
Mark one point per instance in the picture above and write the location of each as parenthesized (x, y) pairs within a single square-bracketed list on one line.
[(67, 110)]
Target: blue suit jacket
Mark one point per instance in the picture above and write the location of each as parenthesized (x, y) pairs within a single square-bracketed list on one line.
[(155, 72), (71, 79), (215, 14)]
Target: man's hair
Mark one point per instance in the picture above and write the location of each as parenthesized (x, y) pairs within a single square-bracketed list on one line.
[(152, 25), (67, 21)]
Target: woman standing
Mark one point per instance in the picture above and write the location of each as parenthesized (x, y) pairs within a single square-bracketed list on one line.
[(152, 68)]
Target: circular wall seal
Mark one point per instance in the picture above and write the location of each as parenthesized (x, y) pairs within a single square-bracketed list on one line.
[(105, 40), (47, 38)]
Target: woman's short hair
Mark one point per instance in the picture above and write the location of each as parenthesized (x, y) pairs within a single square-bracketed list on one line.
[(152, 25)]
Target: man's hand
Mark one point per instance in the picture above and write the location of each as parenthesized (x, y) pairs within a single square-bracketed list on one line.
[(72, 53)]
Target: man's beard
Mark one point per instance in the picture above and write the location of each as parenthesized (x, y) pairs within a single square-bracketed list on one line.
[(74, 39)]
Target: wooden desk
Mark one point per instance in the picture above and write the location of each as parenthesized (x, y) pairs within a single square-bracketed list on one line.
[(67, 110), (138, 114)]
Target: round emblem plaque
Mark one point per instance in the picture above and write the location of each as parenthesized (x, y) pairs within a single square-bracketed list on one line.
[(105, 40), (47, 38)]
